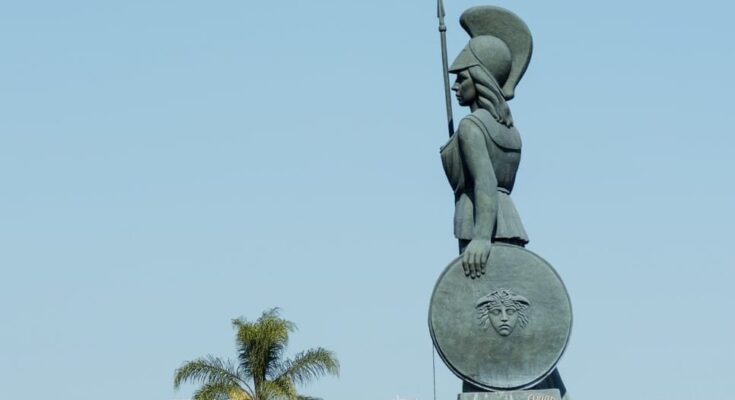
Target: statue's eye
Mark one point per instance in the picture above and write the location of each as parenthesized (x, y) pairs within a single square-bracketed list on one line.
[(510, 311), (495, 311)]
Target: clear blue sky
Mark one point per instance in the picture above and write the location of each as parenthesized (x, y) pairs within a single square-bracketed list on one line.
[(166, 166)]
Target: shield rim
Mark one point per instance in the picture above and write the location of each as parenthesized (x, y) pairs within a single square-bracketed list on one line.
[(483, 385)]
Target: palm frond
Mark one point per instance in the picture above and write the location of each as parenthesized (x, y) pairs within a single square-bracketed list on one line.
[(207, 370), (261, 371), (261, 344), (214, 391), (310, 365), (277, 389), (308, 398), (240, 394)]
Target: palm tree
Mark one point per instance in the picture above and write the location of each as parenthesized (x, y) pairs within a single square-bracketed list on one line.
[(261, 371)]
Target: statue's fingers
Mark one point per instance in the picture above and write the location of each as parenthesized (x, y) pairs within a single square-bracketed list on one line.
[(475, 266), (465, 265), (468, 261), (483, 265)]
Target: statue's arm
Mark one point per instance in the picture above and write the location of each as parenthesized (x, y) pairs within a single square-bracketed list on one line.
[(479, 166)]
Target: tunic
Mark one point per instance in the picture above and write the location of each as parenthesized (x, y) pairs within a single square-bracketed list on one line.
[(504, 149)]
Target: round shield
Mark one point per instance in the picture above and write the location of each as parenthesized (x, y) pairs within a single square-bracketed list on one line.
[(507, 329)]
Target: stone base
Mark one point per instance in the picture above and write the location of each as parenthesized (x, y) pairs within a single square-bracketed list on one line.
[(546, 394)]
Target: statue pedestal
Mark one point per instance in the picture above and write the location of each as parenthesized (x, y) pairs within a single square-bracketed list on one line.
[(546, 394)]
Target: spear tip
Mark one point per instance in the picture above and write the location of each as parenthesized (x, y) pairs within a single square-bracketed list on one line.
[(440, 9)]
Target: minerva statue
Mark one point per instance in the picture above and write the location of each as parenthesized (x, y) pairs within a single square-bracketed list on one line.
[(481, 160)]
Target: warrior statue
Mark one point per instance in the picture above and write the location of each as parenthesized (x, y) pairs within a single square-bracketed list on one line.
[(482, 157)]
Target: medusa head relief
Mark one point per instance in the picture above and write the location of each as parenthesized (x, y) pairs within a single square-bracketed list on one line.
[(503, 309)]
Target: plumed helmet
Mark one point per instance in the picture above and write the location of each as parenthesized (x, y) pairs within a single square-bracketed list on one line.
[(500, 42), (488, 52)]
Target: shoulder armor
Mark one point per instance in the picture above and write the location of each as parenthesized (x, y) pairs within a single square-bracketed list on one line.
[(507, 138)]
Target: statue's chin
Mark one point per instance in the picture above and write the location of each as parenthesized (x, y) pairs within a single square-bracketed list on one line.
[(504, 331)]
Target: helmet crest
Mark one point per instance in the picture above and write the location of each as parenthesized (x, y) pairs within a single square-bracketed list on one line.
[(500, 42)]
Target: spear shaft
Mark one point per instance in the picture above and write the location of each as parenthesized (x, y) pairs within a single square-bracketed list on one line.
[(445, 66)]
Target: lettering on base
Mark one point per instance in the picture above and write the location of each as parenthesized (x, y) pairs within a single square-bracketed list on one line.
[(538, 396), (545, 394)]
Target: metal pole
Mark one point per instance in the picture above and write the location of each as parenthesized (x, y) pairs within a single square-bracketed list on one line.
[(445, 66)]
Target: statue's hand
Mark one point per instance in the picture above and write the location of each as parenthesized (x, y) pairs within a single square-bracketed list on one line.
[(475, 257)]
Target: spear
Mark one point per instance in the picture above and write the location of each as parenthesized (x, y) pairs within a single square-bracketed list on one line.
[(445, 65)]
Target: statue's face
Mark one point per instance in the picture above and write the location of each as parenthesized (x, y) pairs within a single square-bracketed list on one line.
[(464, 89), (504, 319)]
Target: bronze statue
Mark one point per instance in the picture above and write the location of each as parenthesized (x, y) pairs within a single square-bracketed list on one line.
[(481, 160)]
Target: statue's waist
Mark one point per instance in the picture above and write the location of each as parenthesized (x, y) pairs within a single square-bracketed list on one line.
[(504, 167), (471, 190)]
